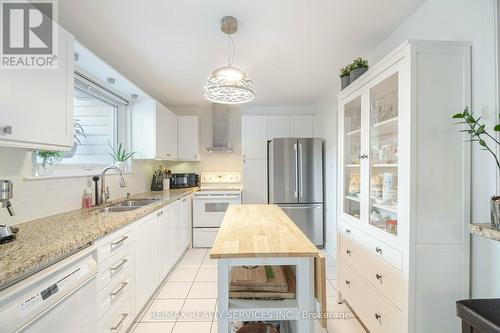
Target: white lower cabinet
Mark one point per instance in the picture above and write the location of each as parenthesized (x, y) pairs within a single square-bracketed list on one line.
[(204, 237), (146, 268), (134, 260)]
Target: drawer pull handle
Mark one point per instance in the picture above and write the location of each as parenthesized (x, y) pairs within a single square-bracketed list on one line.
[(378, 316), (348, 231), (120, 241), (348, 252), (378, 276), (379, 250), (120, 323), (115, 293), (120, 265), (348, 283)]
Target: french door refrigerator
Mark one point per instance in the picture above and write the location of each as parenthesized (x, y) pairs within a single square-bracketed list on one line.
[(295, 182)]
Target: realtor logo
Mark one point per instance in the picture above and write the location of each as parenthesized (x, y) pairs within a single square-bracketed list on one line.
[(29, 34)]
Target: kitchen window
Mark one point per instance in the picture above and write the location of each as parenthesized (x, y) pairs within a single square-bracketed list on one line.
[(101, 121)]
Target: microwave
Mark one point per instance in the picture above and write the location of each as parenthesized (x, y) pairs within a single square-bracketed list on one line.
[(180, 180)]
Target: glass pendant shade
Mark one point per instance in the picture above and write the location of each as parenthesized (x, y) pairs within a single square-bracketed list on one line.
[(229, 85)]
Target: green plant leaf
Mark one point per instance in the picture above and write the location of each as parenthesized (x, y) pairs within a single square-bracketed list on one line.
[(458, 116), (497, 128)]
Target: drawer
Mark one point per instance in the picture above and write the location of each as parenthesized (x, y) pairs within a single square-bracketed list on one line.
[(204, 237), (113, 243), (115, 290), (376, 313), (111, 268), (119, 319), (374, 246), (382, 276)]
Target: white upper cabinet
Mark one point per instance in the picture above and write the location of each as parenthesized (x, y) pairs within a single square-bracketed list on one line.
[(36, 106), (188, 138), (254, 182), (301, 126), (254, 137), (154, 131), (278, 127)]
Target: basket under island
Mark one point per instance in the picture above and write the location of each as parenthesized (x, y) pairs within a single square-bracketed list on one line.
[(263, 235)]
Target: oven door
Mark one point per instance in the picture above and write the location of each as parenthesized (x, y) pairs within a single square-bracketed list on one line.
[(209, 209)]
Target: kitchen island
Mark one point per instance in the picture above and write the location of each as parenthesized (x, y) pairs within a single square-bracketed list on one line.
[(263, 235)]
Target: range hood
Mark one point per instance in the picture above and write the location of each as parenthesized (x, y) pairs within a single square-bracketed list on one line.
[(220, 129)]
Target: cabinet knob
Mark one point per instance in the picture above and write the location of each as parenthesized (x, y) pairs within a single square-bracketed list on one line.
[(378, 316), (6, 130), (379, 250), (378, 276), (348, 231), (348, 283), (363, 156), (348, 252)]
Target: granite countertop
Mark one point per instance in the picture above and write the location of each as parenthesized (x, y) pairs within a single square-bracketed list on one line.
[(486, 230), (44, 241)]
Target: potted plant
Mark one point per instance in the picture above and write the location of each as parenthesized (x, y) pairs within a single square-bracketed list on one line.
[(344, 76), (480, 135), (358, 67), (120, 156), (78, 132), (49, 159)]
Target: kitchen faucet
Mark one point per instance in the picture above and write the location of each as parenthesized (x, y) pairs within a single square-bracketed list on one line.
[(105, 189)]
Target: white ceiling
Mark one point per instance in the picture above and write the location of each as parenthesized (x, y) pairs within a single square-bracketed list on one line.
[(292, 49)]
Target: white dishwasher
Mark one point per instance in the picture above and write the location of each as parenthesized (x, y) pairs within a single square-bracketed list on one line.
[(60, 298)]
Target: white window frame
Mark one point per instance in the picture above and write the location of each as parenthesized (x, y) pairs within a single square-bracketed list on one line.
[(122, 129)]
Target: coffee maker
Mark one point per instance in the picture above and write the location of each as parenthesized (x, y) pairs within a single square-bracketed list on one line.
[(7, 234)]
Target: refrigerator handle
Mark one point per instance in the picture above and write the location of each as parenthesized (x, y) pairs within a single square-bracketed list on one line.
[(301, 188), (296, 171)]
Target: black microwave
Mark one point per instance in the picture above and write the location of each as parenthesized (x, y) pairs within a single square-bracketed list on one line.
[(180, 180)]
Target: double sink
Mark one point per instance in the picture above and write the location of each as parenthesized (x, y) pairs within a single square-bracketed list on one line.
[(128, 205)]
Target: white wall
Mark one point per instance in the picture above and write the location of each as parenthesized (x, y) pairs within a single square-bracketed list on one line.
[(39, 198), (461, 20)]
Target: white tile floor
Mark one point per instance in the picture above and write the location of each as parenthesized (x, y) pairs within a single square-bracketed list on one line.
[(187, 301)]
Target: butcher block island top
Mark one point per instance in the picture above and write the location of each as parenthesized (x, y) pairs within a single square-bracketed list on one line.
[(256, 231)]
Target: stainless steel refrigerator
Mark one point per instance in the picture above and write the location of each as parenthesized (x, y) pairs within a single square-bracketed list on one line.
[(295, 182)]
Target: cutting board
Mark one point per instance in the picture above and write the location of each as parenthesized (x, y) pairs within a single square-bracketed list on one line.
[(243, 279), (288, 293)]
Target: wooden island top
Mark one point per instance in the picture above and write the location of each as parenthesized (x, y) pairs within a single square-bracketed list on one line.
[(256, 231)]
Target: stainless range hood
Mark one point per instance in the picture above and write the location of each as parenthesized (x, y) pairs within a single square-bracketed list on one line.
[(220, 129)]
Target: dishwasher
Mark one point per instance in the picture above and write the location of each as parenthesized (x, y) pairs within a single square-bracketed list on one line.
[(59, 298)]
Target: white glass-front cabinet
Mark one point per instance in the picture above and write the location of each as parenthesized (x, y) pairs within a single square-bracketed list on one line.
[(369, 150), (404, 190)]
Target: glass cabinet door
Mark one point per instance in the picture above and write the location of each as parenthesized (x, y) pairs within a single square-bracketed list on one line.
[(383, 159), (352, 151)]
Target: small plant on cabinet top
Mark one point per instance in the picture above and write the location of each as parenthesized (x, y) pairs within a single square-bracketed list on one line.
[(359, 63), (120, 154), (478, 132), (345, 71)]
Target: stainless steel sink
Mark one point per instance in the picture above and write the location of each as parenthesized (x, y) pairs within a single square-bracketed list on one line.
[(135, 203), (117, 209)]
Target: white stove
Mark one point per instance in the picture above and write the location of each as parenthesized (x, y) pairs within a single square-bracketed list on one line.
[(218, 190)]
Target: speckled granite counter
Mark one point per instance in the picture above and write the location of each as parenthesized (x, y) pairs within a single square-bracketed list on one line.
[(45, 241), (485, 230)]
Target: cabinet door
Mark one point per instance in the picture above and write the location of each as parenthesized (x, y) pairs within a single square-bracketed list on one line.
[(171, 132), (351, 140), (254, 182), (162, 137), (188, 144), (39, 108), (146, 262), (254, 137), (164, 248), (177, 228), (301, 126), (278, 127), (186, 221)]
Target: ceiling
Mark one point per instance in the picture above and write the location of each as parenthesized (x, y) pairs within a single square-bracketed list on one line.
[(292, 49)]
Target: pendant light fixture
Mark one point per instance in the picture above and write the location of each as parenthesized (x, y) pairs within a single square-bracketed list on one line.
[(229, 85)]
